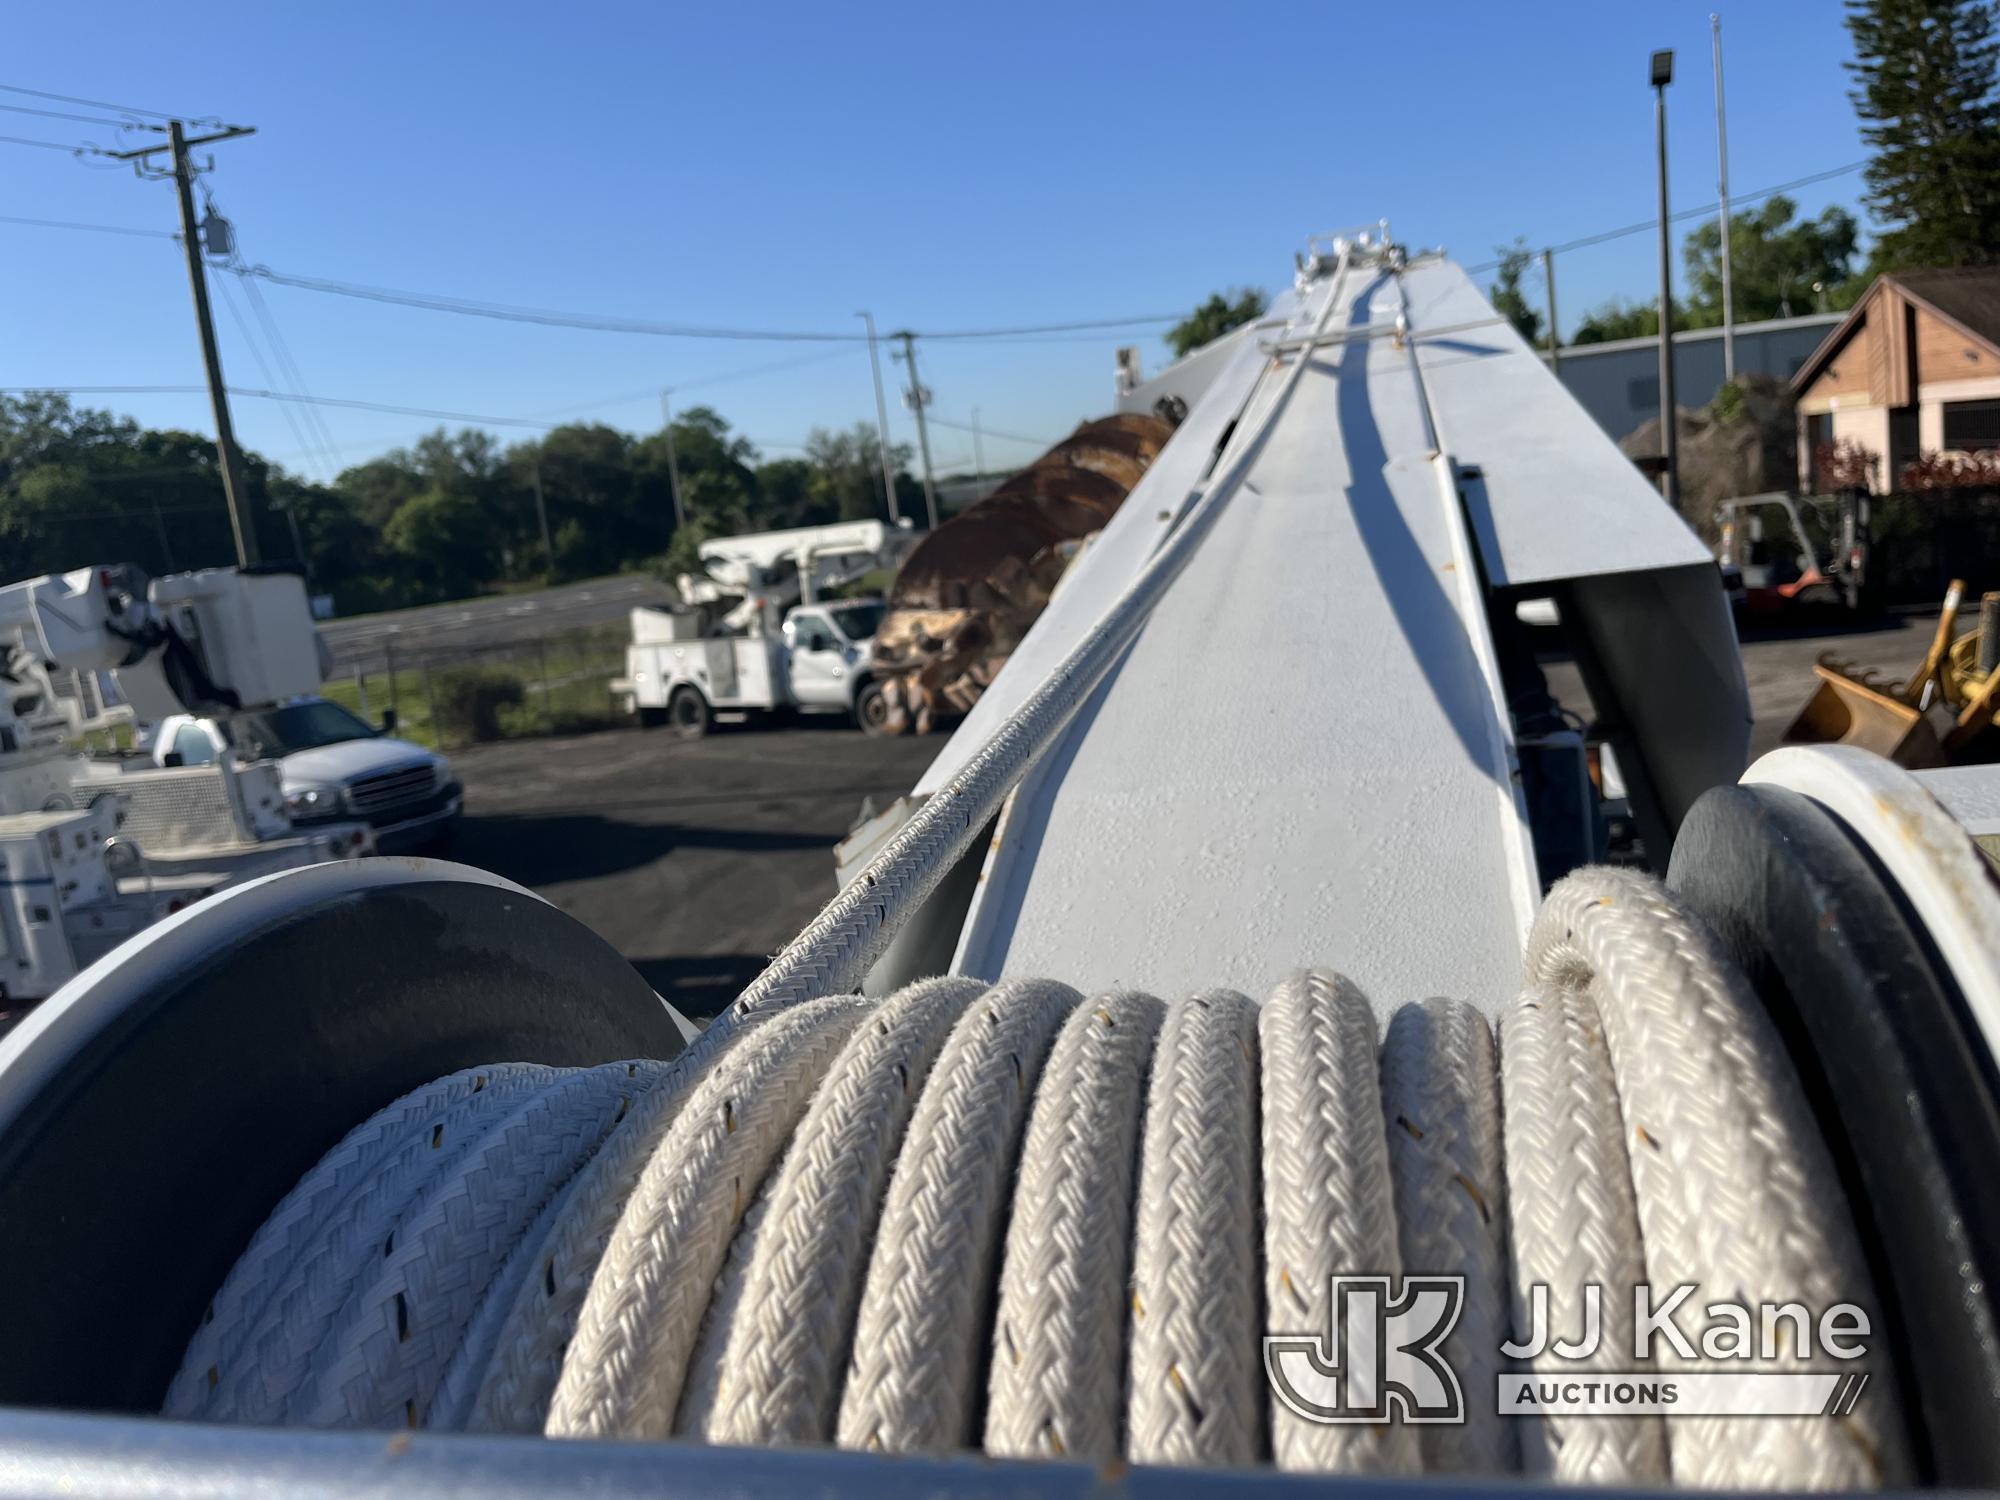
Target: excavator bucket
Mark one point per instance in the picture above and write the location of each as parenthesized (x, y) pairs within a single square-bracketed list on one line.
[(1846, 711)]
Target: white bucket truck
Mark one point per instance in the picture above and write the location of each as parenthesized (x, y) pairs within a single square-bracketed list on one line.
[(753, 635)]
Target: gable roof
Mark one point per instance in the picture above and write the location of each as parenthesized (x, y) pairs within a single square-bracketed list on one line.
[(1968, 297)]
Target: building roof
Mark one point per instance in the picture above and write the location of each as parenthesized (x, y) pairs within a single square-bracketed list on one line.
[(1966, 296)]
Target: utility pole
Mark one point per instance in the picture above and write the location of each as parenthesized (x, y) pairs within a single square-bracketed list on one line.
[(1722, 192), (1549, 278), (978, 453), (241, 522), (881, 422), (673, 463), (542, 516), (1670, 482), (918, 398)]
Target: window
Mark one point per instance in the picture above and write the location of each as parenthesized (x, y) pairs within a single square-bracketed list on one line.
[(1644, 393), (305, 725), (193, 746), (1902, 443), (810, 633), (857, 622), (1819, 432), (1971, 426)]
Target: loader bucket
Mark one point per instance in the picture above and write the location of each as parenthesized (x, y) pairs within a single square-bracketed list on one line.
[(1842, 711)]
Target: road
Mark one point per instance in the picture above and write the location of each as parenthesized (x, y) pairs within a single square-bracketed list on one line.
[(1778, 669), (491, 620), (697, 861)]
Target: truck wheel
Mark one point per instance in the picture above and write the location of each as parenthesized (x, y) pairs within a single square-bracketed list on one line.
[(687, 713), (871, 710), (652, 718)]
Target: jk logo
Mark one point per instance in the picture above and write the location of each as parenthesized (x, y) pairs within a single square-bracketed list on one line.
[(1378, 1355)]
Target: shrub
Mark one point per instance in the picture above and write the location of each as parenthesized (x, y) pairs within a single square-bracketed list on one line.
[(470, 701)]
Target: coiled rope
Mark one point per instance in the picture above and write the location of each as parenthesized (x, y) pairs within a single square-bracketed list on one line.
[(1014, 1218)]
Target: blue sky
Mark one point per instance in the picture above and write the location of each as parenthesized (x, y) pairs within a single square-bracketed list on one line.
[(780, 166)]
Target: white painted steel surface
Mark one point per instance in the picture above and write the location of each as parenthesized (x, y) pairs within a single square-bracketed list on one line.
[(1560, 500), (1264, 781)]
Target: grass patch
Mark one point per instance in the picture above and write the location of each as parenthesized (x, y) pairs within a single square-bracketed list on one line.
[(555, 686)]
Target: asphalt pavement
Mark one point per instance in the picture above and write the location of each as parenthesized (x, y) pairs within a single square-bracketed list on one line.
[(696, 860)]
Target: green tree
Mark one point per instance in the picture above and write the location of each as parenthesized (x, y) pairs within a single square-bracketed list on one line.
[(1924, 72), (1215, 317), (1777, 268), (1508, 299), (1619, 319), (444, 541)]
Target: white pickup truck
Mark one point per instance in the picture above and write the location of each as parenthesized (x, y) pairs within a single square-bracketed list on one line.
[(335, 767), (821, 662)]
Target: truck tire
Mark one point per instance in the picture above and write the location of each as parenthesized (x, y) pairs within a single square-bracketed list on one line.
[(687, 713), (871, 710)]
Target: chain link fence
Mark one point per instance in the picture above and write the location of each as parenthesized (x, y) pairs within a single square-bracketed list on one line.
[(448, 697)]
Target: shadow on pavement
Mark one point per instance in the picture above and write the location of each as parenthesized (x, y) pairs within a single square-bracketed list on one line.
[(547, 850)]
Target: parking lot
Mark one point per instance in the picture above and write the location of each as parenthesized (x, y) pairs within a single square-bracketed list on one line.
[(699, 860)]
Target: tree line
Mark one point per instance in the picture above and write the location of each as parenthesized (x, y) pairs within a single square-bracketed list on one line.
[(453, 513)]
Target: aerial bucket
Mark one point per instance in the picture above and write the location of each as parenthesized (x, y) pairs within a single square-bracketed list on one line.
[(1842, 711)]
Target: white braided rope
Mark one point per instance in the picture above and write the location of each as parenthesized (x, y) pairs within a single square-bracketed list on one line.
[(520, 1376), (1057, 1384), (1197, 1379), (1574, 1225), (703, 1388), (623, 1373), (1440, 1094), (788, 1351), (1328, 1207), (1735, 1191), (267, 1349), (378, 1363), (363, 1156), (1272, 1155), (920, 1340)]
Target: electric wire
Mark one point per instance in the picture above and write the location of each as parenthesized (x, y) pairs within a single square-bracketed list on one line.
[(156, 234), (123, 109), (1703, 211), (291, 411), (58, 114)]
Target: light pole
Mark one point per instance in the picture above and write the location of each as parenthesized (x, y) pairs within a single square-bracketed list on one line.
[(881, 421), (1662, 75), (1722, 192)]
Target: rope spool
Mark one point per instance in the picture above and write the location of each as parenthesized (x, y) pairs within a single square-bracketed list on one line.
[(1014, 1218)]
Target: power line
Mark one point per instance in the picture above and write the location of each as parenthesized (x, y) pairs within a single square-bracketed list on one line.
[(154, 234), (1001, 333), (26, 140), (994, 432), (292, 413), (251, 394), (281, 348), (1648, 226), (652, 392), (63, 114), (122, 109), (513, 314)]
